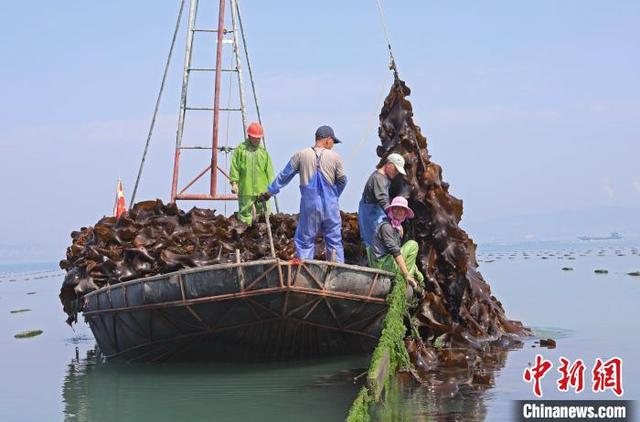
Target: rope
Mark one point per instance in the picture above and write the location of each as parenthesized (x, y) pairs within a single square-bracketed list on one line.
[(155, 111), (253, 85), (394, 68), (392, 64), (374, 118)]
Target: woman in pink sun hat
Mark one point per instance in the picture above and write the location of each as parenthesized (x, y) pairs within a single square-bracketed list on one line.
[(387, 251)]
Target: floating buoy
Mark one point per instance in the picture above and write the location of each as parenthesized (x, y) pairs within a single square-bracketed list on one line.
[(18, 311), (28, 334)]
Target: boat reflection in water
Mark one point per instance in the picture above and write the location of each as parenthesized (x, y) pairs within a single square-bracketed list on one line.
[(322, 390), (313, 390)]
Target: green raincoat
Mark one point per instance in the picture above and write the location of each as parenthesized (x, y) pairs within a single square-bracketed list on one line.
[(252, 170)]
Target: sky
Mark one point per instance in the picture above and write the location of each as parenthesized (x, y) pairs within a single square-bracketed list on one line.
[(531, 108)]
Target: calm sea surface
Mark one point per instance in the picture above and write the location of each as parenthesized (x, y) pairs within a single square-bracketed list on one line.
[(57, 376)]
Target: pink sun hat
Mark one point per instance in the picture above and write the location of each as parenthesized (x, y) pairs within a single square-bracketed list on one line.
[(399, 201)]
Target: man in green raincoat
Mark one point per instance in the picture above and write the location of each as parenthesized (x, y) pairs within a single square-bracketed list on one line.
[(251, 172)]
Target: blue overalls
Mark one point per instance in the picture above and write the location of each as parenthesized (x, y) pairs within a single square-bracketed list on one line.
[(319, 213), (370, 216)]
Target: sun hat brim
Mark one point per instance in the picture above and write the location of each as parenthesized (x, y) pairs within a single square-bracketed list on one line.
[(410, 213)]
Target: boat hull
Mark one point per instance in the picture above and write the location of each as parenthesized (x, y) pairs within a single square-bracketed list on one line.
[(267, 309)]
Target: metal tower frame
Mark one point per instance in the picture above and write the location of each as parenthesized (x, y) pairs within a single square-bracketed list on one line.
[(222, 38)]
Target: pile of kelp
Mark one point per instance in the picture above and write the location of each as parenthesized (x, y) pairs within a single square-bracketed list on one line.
[(156, 238), (460, 323)]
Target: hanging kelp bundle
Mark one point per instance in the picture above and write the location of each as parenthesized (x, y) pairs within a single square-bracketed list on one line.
[(458, 328), (457, 302)]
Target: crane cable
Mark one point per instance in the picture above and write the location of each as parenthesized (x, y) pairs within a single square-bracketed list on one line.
[(370, 126), (393, 67), (392, 64), (155, 111)]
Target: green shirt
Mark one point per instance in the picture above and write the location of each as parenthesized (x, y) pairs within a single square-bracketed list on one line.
[(251, 169)]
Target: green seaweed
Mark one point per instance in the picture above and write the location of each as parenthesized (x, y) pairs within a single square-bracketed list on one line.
[(359, 411), (28, 333), (391, 344), (393, 333)]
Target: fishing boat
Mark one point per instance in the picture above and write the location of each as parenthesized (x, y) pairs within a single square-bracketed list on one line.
[(612, 236), (268, 309)]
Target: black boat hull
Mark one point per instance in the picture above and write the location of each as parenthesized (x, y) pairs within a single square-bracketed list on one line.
[(268, 309)]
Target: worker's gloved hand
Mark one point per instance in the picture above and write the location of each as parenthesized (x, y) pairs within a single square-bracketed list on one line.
[(264, 197), (234, 187)]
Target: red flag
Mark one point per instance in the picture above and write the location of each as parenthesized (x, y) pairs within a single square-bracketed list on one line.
[(119, 207)]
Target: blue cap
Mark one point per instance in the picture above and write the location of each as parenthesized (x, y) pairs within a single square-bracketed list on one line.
[(326, 132)]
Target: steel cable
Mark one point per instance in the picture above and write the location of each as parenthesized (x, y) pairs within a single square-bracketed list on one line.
[(157, 106)]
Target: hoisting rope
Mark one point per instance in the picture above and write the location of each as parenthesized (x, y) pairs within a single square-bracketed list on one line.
[(393, 67), (392, 63), (355, 151), (155, 111)]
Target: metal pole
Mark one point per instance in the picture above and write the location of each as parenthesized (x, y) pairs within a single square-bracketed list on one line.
[(236, 54), (193, 10), (266, 217), (216, 100)]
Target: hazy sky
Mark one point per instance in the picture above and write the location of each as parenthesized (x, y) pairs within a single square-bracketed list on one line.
[(530, 107)]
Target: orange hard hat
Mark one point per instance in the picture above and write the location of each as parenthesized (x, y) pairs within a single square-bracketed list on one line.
[(255, 130)]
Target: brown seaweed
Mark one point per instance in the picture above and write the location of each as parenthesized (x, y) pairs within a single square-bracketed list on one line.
[(157, 238), (460, 323)]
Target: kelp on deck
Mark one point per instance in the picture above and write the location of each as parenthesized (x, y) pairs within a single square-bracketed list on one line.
[(156, 238)]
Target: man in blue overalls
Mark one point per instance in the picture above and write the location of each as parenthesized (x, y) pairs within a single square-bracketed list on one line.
[(322, 180)]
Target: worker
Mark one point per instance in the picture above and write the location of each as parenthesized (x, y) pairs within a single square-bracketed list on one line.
[(251, 171), (387, 253), (322, 180), (375, 197)]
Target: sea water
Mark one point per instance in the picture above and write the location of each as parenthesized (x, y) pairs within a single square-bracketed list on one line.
[(58, 375)]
